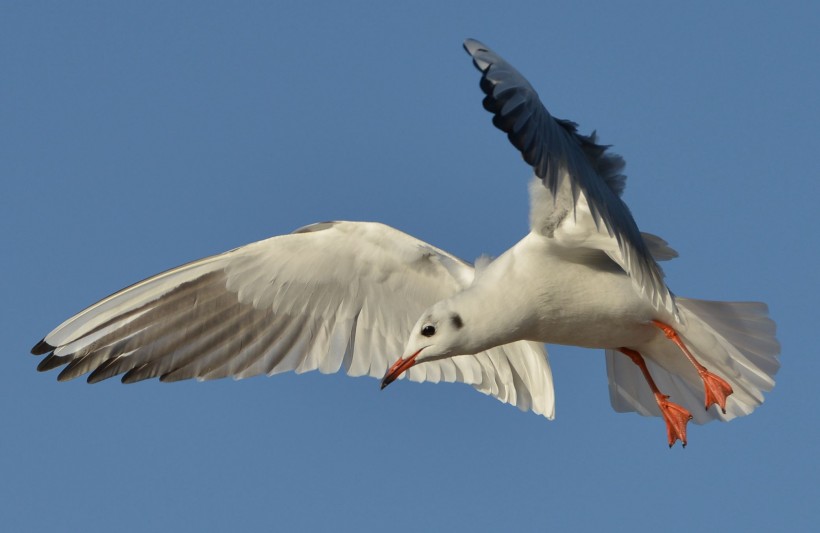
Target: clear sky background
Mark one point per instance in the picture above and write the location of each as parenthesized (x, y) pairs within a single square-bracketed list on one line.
[(137, 136)]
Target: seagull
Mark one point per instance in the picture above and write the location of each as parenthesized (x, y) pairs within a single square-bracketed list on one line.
[(347, 295)]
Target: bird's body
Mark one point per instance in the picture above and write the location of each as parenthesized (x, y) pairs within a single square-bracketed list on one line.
[(536, 296), (354, 295)]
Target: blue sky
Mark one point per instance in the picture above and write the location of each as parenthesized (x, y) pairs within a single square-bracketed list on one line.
[(138, 136)]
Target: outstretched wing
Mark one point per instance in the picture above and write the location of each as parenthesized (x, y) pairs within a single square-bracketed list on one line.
[(583, 180), (328, 296)]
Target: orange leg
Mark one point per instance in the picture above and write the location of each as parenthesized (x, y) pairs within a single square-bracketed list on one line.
[(716, 388), (674, 415)]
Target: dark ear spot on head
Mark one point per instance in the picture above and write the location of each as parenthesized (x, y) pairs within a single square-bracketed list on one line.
[(456, 319)]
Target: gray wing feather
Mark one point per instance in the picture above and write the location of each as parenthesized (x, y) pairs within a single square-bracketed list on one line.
[(554, 148), (658, 247)]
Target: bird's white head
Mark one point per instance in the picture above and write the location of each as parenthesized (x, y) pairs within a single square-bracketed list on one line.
[(438, 334)]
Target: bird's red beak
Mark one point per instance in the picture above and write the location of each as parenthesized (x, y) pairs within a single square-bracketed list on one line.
[(398, 369)]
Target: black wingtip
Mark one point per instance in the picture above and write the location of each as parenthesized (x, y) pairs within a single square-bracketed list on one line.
[(41, 348), (50, 362)]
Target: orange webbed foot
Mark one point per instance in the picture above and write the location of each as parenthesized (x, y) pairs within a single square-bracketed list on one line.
[(716, 388), (676, 418)]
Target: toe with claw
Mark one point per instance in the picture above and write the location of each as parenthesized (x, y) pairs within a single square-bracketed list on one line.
[(676, 418)]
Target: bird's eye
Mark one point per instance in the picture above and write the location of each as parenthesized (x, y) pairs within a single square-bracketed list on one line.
[(428, 330)]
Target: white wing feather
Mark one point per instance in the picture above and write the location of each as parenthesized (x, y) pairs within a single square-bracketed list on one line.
[(328, 296)]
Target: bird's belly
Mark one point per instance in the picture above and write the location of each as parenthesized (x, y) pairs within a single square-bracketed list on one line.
[(596, 332), (605, 311)]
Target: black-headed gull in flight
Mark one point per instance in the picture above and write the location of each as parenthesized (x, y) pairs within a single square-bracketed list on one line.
[(349, 294)]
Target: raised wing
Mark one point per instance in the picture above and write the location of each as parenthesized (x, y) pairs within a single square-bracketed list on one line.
[(577, 172), (328, 296)]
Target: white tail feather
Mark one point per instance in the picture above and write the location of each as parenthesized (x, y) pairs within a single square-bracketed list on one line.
[(735, 340)]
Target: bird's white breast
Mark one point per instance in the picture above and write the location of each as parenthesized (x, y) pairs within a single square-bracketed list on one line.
[(551, 297)]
